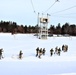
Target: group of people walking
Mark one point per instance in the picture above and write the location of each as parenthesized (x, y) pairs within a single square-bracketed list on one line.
[(57, 51), (40, 52)]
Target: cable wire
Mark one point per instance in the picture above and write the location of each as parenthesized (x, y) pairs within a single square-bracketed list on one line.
[(64, 10), (51, 6), (61, 16), (33, 7)]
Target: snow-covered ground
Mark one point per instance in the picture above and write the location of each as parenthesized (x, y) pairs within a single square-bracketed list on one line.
[(65, 64)]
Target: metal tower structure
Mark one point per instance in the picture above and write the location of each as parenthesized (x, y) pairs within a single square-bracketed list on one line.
[(43, 26)]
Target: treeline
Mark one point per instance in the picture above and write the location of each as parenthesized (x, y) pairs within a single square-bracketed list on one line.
[(13, 27), (64, 29)]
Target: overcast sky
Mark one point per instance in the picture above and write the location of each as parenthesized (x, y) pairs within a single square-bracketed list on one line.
[(22, 11)]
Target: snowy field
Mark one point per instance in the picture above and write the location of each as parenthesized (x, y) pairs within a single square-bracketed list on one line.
[(65, 64)]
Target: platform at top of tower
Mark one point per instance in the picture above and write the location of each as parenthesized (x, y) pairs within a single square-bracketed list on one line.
[(44, 20)]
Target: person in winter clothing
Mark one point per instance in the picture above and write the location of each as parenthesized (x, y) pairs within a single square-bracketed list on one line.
[(56, 50), (44, 51), (63, 47), (20, 54), (59, 50), (66, 48), (37, 50), (1, 50), (40, 53), (51, 52)]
